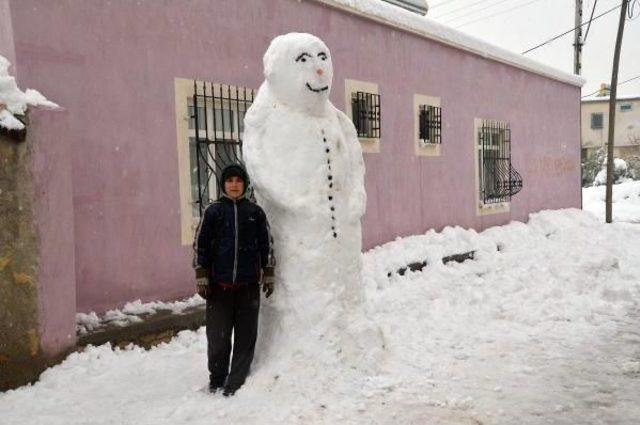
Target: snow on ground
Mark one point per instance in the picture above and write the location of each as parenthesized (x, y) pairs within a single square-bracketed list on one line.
[(131, 312), (625, 205), (15, 101), (543, 327)]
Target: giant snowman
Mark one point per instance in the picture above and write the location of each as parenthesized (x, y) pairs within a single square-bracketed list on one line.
[(305, 162)]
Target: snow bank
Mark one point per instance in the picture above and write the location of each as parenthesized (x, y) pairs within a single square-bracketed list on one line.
[(15, 101), (626, 201), (542, 327), (619, 171), (131, 312), (431, 247)]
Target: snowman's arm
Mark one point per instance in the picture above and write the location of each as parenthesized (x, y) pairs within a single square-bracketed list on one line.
[(264, 241), (358, 196), (263, 168)]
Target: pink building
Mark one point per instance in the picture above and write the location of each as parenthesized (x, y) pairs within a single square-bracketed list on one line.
[(451, 128)]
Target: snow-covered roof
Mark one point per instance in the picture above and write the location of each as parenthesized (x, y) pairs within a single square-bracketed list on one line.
[(395, 16), (606, 98)]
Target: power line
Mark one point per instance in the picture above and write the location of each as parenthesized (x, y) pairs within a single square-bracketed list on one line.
[(466, 6), (441, 3), (495, 14), (474, 11), (618, 85), (590, 19), (571, 30)]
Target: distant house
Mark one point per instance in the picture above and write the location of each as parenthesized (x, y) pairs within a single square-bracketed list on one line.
[(454, 131), (595, 126)]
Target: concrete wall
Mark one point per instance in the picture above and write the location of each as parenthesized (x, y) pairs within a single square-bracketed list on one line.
[(112, 66), (19, 340), (37, 282)]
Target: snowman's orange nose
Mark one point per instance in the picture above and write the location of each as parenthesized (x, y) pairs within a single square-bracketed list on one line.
[(319, 71)]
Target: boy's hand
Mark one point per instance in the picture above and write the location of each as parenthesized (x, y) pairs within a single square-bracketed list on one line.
[(202, 287), (268, 281)]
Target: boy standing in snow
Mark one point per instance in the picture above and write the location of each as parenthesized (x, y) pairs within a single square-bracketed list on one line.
[(231, 255)]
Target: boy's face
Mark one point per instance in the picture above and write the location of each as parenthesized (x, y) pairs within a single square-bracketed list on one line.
[(234, 187)]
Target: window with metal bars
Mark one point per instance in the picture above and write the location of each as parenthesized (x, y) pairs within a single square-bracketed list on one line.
[(430, 124), (217, 112), (365, 108), (498, 179), (596, 121)]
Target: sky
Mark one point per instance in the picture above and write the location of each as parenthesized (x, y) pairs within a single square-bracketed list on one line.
[(518, 25)]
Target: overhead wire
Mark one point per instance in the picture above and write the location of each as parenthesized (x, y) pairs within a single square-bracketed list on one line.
[(466, 6), (441, 3), (571, 30), (455, 18), (496, 14), (618, 85), (584, 40)]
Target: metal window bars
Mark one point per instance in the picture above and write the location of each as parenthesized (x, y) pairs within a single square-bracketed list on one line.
[(216, 114), (499, 180), (365, 109), (430, 124), (596, 121)]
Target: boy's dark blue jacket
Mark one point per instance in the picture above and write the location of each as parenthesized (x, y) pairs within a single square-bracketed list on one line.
[(232, 242)]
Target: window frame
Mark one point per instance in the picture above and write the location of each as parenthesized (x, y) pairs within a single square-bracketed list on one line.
[(421, 148), (368, 144), (482, 208), (626, 107), (185, 132), (597, 114)]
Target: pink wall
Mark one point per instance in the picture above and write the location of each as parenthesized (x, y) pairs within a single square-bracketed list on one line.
[(112, 64)]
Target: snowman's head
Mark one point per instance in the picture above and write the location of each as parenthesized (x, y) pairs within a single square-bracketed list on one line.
[(299, 71)]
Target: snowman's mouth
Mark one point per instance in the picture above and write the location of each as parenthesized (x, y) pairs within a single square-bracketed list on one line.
[(320, 90)]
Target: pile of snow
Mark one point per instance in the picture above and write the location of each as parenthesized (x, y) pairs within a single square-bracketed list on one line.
[(431, 247), (620, 171), (542, 330), (131, 312), (625, 201), (15, 101)]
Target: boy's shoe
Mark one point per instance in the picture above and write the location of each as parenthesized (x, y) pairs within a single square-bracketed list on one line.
[(214, 388), (229, 391)]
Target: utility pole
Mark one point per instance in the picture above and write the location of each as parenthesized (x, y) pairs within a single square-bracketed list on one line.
[(577, 42), (612, 109)]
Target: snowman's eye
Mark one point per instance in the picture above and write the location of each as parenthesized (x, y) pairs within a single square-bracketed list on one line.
[(302, 57), (322, 55)]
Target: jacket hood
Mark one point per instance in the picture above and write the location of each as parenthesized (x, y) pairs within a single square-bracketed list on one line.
[(230, 171)]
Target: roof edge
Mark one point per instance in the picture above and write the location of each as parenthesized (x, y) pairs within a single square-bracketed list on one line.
[(394, 16), (606, 99)]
